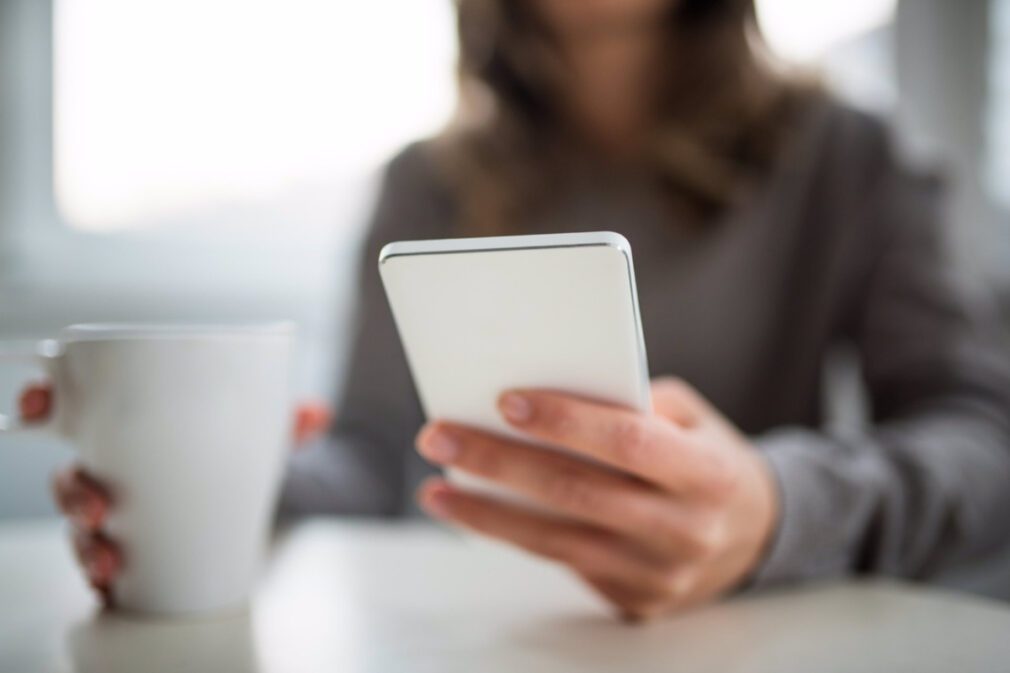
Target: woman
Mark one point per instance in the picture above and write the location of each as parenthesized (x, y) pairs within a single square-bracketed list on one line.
[(769, 224)]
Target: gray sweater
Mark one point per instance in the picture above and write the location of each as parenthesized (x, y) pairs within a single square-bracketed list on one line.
[(838, 245)]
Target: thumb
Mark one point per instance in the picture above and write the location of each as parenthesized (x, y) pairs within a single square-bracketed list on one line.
[(676, 400)]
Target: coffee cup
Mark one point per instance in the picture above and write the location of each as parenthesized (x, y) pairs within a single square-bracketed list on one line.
[(187, 427)]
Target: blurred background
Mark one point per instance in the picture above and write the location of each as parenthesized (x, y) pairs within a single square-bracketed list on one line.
[(216, 160)]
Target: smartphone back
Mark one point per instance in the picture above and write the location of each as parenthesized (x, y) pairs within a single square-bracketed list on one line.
[(479, 316)]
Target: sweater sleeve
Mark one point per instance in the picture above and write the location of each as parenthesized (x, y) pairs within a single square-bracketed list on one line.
[(927, 487), (366, 462)]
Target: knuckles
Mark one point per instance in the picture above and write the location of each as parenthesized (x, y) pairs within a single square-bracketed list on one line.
[(707, 537), (723, 478), (631, 440), (678, 584), (569, 489), (701, 536)]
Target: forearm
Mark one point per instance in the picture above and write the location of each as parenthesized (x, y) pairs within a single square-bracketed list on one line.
[(912, 498)]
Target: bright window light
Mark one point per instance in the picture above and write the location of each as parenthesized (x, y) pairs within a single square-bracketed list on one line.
[(804, 31), (164, 108), (998, 112)]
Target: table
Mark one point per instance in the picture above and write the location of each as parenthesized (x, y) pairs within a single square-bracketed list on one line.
[(350, 597)]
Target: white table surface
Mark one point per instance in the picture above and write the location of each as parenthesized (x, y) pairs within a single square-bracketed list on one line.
[(352, 597)]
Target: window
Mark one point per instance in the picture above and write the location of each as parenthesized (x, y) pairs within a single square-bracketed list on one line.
[(848, 42), (998, 107), (278, 99), (803, 31)]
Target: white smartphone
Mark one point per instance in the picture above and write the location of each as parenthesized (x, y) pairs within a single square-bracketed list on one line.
[(478, 316)]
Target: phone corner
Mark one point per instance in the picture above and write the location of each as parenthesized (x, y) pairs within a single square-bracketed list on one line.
[(388, 251)]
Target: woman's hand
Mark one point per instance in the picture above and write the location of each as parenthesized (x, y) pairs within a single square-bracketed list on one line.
[(86, 502), (673, 510)]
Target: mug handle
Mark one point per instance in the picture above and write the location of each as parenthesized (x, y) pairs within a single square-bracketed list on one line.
[(44, 356)]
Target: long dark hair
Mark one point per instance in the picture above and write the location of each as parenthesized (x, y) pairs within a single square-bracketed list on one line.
[(722, 113)]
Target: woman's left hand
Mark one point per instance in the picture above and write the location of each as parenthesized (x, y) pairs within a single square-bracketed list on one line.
[(675, 509)]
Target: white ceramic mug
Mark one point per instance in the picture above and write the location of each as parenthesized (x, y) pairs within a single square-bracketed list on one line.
[(188, 427)]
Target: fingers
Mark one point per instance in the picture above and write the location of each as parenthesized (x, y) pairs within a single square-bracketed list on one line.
[(311, 419), (35, 402), (86, 503), (586, 550), (582, 491), (98, 556), (648, 447), (631, 605), (83, 500)]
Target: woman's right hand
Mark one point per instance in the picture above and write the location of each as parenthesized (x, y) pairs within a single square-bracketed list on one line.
[(86, 502)]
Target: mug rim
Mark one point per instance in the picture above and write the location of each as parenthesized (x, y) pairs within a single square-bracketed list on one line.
[(108, 331)]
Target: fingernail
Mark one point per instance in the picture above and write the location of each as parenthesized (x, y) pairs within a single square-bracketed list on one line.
[(435, 502), (516, 408), (440, 447)]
